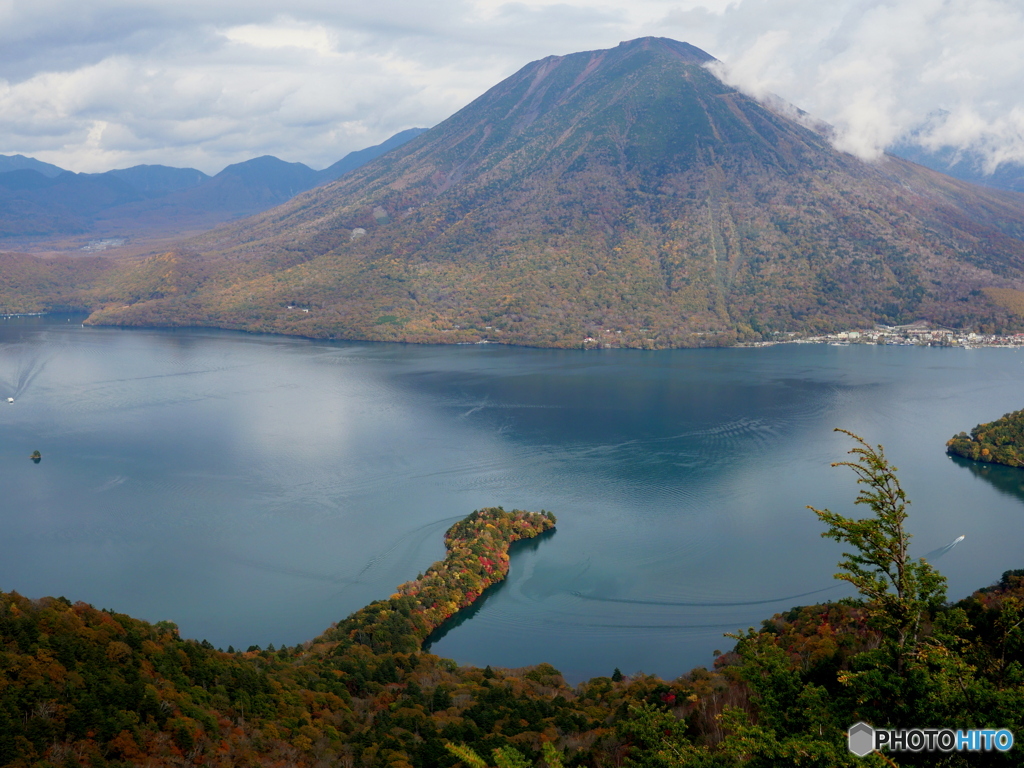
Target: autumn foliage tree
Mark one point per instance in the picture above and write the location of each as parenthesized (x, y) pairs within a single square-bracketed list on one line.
[(899, 591), (999, 442)]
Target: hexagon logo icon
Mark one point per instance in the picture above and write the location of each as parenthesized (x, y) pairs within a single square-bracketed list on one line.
[(861, 739)]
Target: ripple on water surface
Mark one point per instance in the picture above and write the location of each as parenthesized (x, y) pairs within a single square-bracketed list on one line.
[(255, 489)]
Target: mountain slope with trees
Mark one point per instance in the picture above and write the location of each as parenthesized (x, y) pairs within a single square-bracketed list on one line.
[(620, 190), (622, 197), (80, 686), (969, 165)]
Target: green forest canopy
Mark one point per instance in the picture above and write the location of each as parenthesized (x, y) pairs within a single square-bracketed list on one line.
[(999, 442), (81, 686)]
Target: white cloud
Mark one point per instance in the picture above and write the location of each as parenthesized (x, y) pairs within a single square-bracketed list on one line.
[(311, 37), (207, 83), (879, 70)]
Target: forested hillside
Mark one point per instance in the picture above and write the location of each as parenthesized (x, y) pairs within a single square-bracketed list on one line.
[(1000, 441), (622, 197), (85, 687), (624, 190)]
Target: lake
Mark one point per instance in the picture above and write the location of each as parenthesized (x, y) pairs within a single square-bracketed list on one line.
[(254, 489)]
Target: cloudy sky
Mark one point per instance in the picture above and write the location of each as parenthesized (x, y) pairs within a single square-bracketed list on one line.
[(106, 84)]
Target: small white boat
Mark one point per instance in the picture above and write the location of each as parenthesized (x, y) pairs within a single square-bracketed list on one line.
[(10, 399)]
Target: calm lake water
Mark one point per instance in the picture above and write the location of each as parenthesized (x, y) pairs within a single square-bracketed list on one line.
[(254, 489)]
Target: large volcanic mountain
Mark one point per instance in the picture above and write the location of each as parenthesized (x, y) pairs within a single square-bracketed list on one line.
[(623, 195)]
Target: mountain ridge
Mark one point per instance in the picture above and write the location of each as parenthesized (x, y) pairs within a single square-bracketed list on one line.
[(624, 196), (20, 162), (626, 189), (965, 165), (42, 200)]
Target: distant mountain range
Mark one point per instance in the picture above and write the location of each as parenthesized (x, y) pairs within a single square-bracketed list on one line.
[(622, 197), (22, 163), (40, 200), (968, 166)]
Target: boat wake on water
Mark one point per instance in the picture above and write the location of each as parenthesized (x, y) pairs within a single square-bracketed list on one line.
[(26, 368), (702, 604), (414, 536), (935, 554)]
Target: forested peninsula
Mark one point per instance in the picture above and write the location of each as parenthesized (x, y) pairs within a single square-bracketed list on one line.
[(477, 558), (998, 442), (87, 687)]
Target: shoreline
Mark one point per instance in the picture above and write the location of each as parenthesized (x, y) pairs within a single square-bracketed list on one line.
[(918, 334)]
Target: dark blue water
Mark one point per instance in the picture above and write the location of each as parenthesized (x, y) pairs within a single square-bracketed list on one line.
[(254, 489)]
